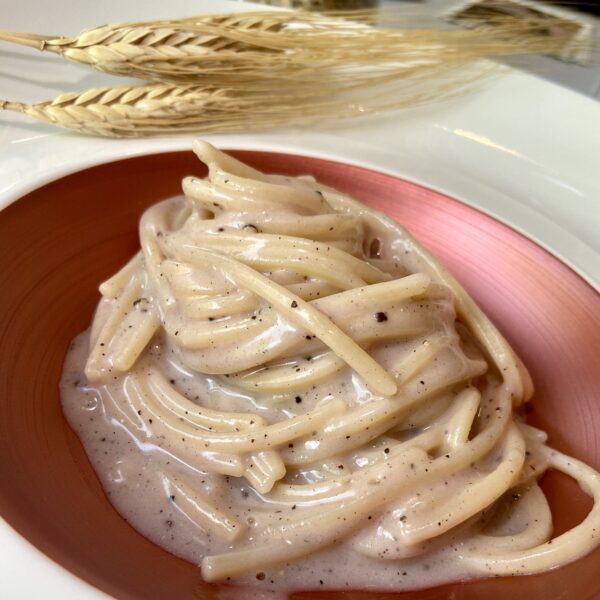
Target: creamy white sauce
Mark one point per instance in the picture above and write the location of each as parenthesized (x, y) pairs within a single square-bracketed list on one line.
[(128, 465)]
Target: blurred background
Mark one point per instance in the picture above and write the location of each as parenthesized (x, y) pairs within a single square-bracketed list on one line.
[(574, 68)]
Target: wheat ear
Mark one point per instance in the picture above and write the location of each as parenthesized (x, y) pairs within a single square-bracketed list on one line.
[(163, 108), (238, 48)]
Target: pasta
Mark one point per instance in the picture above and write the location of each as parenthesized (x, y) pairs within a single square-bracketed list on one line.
[(283, 386)]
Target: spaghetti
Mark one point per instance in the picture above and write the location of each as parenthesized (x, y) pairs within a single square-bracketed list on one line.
[(305, 396)]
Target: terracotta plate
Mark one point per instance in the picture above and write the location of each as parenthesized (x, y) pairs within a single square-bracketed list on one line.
[(60, 241)]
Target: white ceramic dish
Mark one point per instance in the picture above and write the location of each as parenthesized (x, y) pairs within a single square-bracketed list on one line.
[(521, 149)]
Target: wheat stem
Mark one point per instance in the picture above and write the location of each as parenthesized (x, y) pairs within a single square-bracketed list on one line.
[(14, 106), (32, 40)]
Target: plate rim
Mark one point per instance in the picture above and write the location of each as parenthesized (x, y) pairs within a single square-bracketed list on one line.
[(182, 144)]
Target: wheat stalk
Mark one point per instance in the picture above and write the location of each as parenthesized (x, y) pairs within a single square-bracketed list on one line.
[(289, 46), (136, 110), (173, 50), (163, 108)]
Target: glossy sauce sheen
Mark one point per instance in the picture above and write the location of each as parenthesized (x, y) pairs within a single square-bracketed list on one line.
[(128, 466)]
